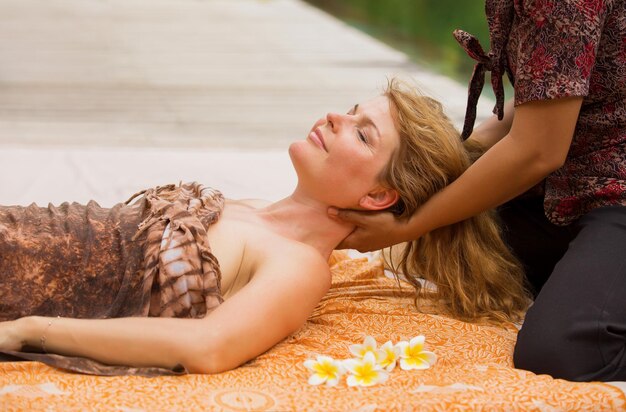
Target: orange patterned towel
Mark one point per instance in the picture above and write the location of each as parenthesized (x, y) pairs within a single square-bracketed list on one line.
[(474, 369)]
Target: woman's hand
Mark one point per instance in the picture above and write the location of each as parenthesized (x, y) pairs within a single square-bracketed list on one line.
[(374, 230), (10, 338)]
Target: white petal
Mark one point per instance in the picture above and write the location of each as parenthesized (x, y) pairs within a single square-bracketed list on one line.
[(404, 365), (402, 347), (309, 363), (316, 379), (369, 341), (380, 355), (325, 359), (432, 358), (332, 382), (380, 377), (352, 381), (351, 364), (418, 340), (369, 358), (410, 366), (356, 350)]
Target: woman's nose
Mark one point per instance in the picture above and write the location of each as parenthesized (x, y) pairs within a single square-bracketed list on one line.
[(334, 120)]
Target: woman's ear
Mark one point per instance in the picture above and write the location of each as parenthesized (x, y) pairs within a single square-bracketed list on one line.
[(379, 199)]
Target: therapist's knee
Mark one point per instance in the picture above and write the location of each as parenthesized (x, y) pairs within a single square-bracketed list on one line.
[(530, 349), (542, 349), (550, 349)]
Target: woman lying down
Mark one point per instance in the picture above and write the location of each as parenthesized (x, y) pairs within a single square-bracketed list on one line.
[(181, 279)]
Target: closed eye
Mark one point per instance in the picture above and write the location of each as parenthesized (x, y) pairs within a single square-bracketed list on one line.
[(362, 137), (367, 121)]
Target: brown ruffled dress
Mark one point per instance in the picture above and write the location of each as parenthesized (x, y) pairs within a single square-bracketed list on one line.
[(150, 257)]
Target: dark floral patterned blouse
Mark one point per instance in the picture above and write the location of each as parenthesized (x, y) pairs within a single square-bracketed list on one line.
[(559, 48)]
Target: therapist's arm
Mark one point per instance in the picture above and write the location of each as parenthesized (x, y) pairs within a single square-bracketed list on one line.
[(536, 145)]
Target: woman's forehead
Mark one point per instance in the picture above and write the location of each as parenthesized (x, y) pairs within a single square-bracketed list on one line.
[(378, 103), (378, 109)]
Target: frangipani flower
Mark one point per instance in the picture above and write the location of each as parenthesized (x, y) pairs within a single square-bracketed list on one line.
[(325, 369), (369, 345), (365, 371), (388, 355), (413, 355)]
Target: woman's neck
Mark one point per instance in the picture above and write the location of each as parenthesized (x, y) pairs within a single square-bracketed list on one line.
[(305, 220)]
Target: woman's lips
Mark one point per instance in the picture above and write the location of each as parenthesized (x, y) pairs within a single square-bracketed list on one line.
[(318, 139)]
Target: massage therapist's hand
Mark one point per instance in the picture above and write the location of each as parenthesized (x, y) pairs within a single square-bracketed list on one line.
[(10, 338), (374, 230)]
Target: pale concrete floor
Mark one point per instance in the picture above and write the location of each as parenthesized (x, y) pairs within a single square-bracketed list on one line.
[(181, 78)]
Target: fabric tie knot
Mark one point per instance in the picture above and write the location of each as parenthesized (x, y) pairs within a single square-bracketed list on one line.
[(492, 62)]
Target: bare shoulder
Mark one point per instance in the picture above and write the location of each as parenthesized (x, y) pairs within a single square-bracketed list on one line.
[(251, 203), (289, 277)]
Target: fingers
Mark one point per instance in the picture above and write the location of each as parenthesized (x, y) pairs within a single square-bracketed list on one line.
[(349, 216), (349, 241), (346, 244), (373, 230), (359, 241)]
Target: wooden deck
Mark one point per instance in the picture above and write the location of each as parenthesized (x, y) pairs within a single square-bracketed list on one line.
[(185, 73)]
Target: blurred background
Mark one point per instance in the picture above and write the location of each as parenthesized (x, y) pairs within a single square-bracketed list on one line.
[(420, 28), (101, 98)]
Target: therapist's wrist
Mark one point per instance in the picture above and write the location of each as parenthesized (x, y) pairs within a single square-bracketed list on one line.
[(415, 227)]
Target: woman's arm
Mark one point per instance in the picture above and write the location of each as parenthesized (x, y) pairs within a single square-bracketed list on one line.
[(140, 342), (278, 299), (537, 144)]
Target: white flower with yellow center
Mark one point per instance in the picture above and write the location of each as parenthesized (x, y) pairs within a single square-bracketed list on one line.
[(325, 369), (413, 355), (387, 356), (365, 371), (360, 350)]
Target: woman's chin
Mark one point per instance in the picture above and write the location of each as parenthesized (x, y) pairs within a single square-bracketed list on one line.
[(296, 149), (298, 153), (293, 147)]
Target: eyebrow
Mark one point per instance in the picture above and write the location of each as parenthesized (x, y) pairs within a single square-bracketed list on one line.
[(368, 120)]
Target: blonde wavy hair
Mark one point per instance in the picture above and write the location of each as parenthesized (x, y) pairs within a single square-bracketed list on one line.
[(477, 278)]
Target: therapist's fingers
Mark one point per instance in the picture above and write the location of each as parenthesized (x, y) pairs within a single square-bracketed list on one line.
[(355, 217), (357, 240), (373, 230)]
